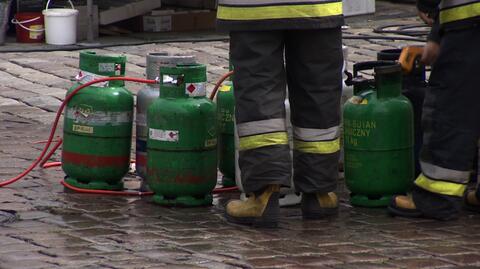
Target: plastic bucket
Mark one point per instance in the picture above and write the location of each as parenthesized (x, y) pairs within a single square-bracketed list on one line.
[(60, 25), (29, 27)]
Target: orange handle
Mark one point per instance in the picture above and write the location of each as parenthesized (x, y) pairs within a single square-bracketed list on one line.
[(408, 57)]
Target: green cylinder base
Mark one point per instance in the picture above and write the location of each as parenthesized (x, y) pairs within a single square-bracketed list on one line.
[(95, 185), (228, 182), (366, 201), (187, 201)]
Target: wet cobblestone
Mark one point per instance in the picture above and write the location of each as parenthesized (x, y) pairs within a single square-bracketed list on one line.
[(59, 229)]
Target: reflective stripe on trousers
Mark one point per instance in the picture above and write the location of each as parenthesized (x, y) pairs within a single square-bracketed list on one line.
[(456, 10), (268, 11), (440, 187), (317, 141), (263, 133)]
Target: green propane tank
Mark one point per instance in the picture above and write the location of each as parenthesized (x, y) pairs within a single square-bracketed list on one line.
[(98, 126), (378, 141), (226, 128), (182, 143)]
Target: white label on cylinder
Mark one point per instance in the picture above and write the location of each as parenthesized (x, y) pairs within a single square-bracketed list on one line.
[(84, 114), (164, 135), (106, 67), (84, 77), (196, 89)]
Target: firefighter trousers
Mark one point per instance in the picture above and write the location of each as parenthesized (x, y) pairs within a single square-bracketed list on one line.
[(310, 62), (451, 122)]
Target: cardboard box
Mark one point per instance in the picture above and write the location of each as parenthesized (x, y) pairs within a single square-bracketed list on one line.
[(128, 11), (358, 7), (200, 4), (205, 20), (176, 22)]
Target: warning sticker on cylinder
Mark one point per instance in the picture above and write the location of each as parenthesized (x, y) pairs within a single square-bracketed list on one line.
[(82, 129), (85, 114), (164, 135), (106, 67), (196, 89), (85, 77)]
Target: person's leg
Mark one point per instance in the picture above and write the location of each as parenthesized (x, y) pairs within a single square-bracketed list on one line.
[(451, 122), (314, 60), (472, 198), (264, 154)]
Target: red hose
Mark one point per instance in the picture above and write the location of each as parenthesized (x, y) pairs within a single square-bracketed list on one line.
[(224, 189), (59, 143), (56, 164), (52, 164), (43, 161), (128, 193), (132, 193), (219, 83), (57, 118)]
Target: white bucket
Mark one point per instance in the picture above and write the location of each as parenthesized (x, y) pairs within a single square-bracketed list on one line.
[(60, 25)]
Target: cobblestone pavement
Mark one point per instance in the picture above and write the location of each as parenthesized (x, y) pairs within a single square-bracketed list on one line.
[(58, 229)]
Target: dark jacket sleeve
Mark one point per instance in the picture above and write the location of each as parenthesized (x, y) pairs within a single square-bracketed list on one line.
[(427, 6), (435, 32)]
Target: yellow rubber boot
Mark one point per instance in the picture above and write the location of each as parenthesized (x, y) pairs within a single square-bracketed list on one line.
[(258, 210), (472, 202), (319, 205), (403, 206)]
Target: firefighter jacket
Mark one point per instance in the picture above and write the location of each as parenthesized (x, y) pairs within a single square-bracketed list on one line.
[(260, 15), (453, 13)]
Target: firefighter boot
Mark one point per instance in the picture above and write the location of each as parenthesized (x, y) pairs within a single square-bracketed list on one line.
[(318, 206), (472, 201), (403, 206), (259, 210)]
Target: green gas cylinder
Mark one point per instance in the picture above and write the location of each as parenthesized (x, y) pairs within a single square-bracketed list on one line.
[(98, 126), (378, 141), (195, 79), (226, 128), (182, 143)]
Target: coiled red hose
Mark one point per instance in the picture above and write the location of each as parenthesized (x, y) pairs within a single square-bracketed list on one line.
[(44, 157), (57, 118)]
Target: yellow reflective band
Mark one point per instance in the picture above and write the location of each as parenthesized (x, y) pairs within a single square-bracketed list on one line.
[(263, 140), (460, 13), (440, 187), (279, 12), (320, 147)]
